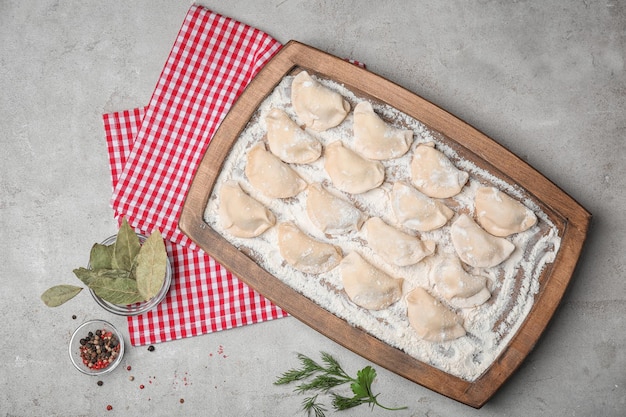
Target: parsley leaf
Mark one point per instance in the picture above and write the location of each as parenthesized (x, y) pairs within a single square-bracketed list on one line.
[(363, 387)]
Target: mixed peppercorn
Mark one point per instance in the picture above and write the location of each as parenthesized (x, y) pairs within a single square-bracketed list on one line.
[(99, 349)]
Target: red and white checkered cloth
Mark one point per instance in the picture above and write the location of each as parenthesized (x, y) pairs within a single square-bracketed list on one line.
[(154, 152)]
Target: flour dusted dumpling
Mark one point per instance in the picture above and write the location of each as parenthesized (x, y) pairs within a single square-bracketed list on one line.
[(475, 246), (394, 246), (331, 214), (319, 107), (417, 211), (500, 214), (376, 139), (431, 320), (368, 286), (349, 171), (288, 141), (434, 174), (460, 288), (242, 215), (305, 253), (271, 176)]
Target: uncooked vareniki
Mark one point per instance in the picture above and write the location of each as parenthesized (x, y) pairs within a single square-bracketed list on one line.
[(475, 246), (319, 107), (331, 214), (500, 214), (460, 288), (368, 286), (431, 320), (376, 139), (349, 171), (417, 211), (271, 176), (394, 246), (288, 141), (434, 174), (305, 253), (242, 215)]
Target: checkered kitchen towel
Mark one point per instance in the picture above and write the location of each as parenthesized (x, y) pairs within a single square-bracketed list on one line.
[(154, 152)]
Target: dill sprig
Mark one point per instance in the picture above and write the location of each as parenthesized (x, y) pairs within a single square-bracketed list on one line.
[(309, 367), (310, 404), (321, 378)]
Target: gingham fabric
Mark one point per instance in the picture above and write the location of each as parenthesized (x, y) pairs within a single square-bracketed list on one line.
[(154, 152)]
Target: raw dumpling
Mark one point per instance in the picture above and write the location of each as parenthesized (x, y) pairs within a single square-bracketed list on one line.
[(368, 286), (375, 139), (288, 141), (431, 320), (500, 214), (461, 289), (319, 107), (351, 172), (416, 211), (240, 214), (395, 246), (270, 175), (331, 214), (475, 246), (305, 253), (434, 174)]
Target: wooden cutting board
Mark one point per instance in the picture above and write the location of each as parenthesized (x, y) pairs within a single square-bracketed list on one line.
[(571, 219)]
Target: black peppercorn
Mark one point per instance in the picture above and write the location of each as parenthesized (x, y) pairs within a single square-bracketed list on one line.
[(100, 383), (150, 348)]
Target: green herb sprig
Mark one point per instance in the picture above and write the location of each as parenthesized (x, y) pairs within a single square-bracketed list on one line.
[(124, 272), (323, 377)]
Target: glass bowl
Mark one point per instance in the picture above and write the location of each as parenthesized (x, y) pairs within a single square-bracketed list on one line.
[(78, 344), (137, 308)]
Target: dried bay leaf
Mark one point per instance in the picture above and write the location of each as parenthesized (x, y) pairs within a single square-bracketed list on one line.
[(101, 256), (84, 274), (126, 247), (116, 289), (151, 265), (113, 285), (59, 294), (87, 276)]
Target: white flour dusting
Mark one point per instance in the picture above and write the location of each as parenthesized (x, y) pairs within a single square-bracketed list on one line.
[(513, 283)]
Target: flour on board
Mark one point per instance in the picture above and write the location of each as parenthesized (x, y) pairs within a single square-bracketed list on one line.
[(513, 284)]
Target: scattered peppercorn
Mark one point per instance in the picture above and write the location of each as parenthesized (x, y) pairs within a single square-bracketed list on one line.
[(100, 383), (141, 386), (182, 400), (73, 316), (109, 407), (128, 368), (99, 350), (131, 378), (150, 348)]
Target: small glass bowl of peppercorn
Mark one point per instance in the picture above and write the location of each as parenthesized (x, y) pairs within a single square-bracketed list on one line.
[(96, 347)]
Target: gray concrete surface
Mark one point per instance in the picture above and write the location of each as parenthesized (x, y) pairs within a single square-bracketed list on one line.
[(544, 78)]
